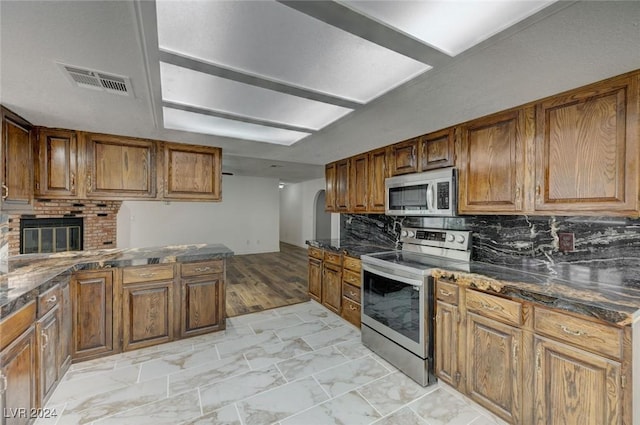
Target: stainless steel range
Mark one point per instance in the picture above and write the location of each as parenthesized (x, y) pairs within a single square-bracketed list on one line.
[(398, 297)]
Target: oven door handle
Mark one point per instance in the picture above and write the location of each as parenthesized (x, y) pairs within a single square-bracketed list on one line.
[(389, 275)]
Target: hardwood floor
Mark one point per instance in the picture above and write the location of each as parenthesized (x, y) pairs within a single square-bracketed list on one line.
[(257, 282)]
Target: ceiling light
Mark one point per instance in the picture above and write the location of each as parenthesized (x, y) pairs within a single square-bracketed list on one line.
[(281, 185)]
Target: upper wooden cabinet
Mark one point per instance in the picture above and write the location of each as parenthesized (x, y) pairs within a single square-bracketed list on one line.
[(359, 183), (192, 172), (491, 164), (405, 157), (436, 149), (342, 185), (587, 149), (378, 171), (120, 168), (16, 161), (56, 163), (330, 185)]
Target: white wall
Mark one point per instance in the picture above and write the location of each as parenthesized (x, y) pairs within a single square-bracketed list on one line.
[(297, 211), (246, 220)]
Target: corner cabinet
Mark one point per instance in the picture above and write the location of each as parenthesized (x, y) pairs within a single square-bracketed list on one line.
[(192, 172), (56, 164), (587, 149), (120, 167), (16, 160)]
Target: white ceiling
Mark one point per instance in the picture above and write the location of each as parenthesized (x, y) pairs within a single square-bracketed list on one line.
[(565, 45)]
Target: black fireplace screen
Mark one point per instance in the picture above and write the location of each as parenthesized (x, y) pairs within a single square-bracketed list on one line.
[(43, 235)]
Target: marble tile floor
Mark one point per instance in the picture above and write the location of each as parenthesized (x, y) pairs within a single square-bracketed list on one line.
[(295, 365)]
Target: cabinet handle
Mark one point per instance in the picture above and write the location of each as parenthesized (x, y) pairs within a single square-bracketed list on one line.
[(445, 293), (518, 194), (46, 340), (538, 358), (572, 332), (89, 182), (147, 274), (202, 269), (489, 307), (52, 300), (4, 383), (514, 350), (5, 190), (73, 180), (352, 294), (538, 191), (352, 308)]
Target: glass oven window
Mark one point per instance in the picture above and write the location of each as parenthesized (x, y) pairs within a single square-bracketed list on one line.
[(393, 304), (408, 198)]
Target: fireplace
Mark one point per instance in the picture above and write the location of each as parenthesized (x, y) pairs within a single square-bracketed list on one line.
[(46, 235)]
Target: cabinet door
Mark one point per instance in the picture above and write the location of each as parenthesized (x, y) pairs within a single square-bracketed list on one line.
[(378, 171), (202, 306), (315, 279), (48, 333), (330, 192), (332, 287), (192, 172), (57, 164), (494, 367), (342, 186), (18, 378), (147, 314), (586, 149), (436, 149), (404, 157), (491, 166), (120, 168), (575, 387), (446, 343), (16, 159), (359, 186), (66, 329), (93, 307)]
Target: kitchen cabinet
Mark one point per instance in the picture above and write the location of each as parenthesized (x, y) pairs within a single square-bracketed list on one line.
[(586, 149), (93, 306), (56, 163), (18, 371), (315, 273), (202, 297), (342, 186), (48, 334), (16, 161), (358, 183), (147, 305), (405, 157), (437, 149), (330, 184), (378, 171), (446, 333), (192, 172), (332, 282), (491, 164), (66, 326), (119, 167), (351, 290)]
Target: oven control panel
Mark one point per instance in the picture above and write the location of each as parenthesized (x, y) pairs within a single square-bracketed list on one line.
[(440, 238)]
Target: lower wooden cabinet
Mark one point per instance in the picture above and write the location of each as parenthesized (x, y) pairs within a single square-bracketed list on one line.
[(315, 279), (147, 314), (332, 287), (446, 356), (66, 327), (18, 378), (93, 305), (48, 334), (202, 304), (351, 293)]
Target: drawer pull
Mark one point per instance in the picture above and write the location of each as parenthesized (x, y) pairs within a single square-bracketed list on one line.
[(572, 332), (202, 269), (352, 294), (52, 300), (4, 383), (46, 340), (490, 308), (445, 293), (352, 308), (147, 274)]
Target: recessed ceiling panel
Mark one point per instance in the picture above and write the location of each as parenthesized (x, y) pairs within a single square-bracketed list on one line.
[(449, 26), (188, 87), (270, 40), (176, 119)]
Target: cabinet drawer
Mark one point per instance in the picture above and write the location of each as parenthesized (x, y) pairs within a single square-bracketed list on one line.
[(351, 263), (202, 267), (333, 258), (447, 292), (591, 336), (147, 273), (48, 299), (494, 307), (12, 326), (351, 311), (351, 292), (351, 277), (315, 253)]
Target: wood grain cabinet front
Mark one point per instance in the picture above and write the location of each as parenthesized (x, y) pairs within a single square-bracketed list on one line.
[(405, 157), (378, 171), (192, 172), (16, 161), (342, 201), (48, 341), (315, 278), (359, 183), (202, 305), (437, 149), (56, 164), (332, 287)]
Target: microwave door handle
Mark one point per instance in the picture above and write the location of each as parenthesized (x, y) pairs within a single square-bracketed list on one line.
[(430, 197)]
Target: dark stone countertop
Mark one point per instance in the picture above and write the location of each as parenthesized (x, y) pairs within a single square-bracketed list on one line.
[(350, 248), (23, 277)]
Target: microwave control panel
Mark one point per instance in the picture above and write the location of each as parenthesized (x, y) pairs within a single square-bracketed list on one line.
[(442, 195)]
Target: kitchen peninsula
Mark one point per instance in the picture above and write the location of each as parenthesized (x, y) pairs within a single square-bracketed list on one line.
[(72, 306)]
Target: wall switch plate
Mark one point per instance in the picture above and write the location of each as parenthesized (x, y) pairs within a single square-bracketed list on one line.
[(566, 242)]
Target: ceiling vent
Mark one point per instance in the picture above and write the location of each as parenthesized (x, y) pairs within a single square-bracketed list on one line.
[(97, 80)]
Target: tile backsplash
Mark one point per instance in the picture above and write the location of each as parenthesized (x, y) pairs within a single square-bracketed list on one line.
[(509, 239)]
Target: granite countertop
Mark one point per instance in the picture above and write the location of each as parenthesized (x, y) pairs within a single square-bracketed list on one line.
[(351, 248), (22, 277)]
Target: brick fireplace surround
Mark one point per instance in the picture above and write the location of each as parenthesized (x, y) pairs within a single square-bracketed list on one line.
[(100, 221)]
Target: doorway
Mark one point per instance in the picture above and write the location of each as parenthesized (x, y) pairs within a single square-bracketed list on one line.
[(322, 218)]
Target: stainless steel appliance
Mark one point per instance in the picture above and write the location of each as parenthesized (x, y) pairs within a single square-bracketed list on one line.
[(398, 297), (432, 193)]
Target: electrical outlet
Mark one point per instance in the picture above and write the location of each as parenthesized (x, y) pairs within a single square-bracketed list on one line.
[(566, 242)]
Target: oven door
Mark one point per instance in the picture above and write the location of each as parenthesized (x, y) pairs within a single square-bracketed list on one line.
[(393, 304)]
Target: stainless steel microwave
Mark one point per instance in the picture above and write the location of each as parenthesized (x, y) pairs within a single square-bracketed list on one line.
[(431, 193)]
